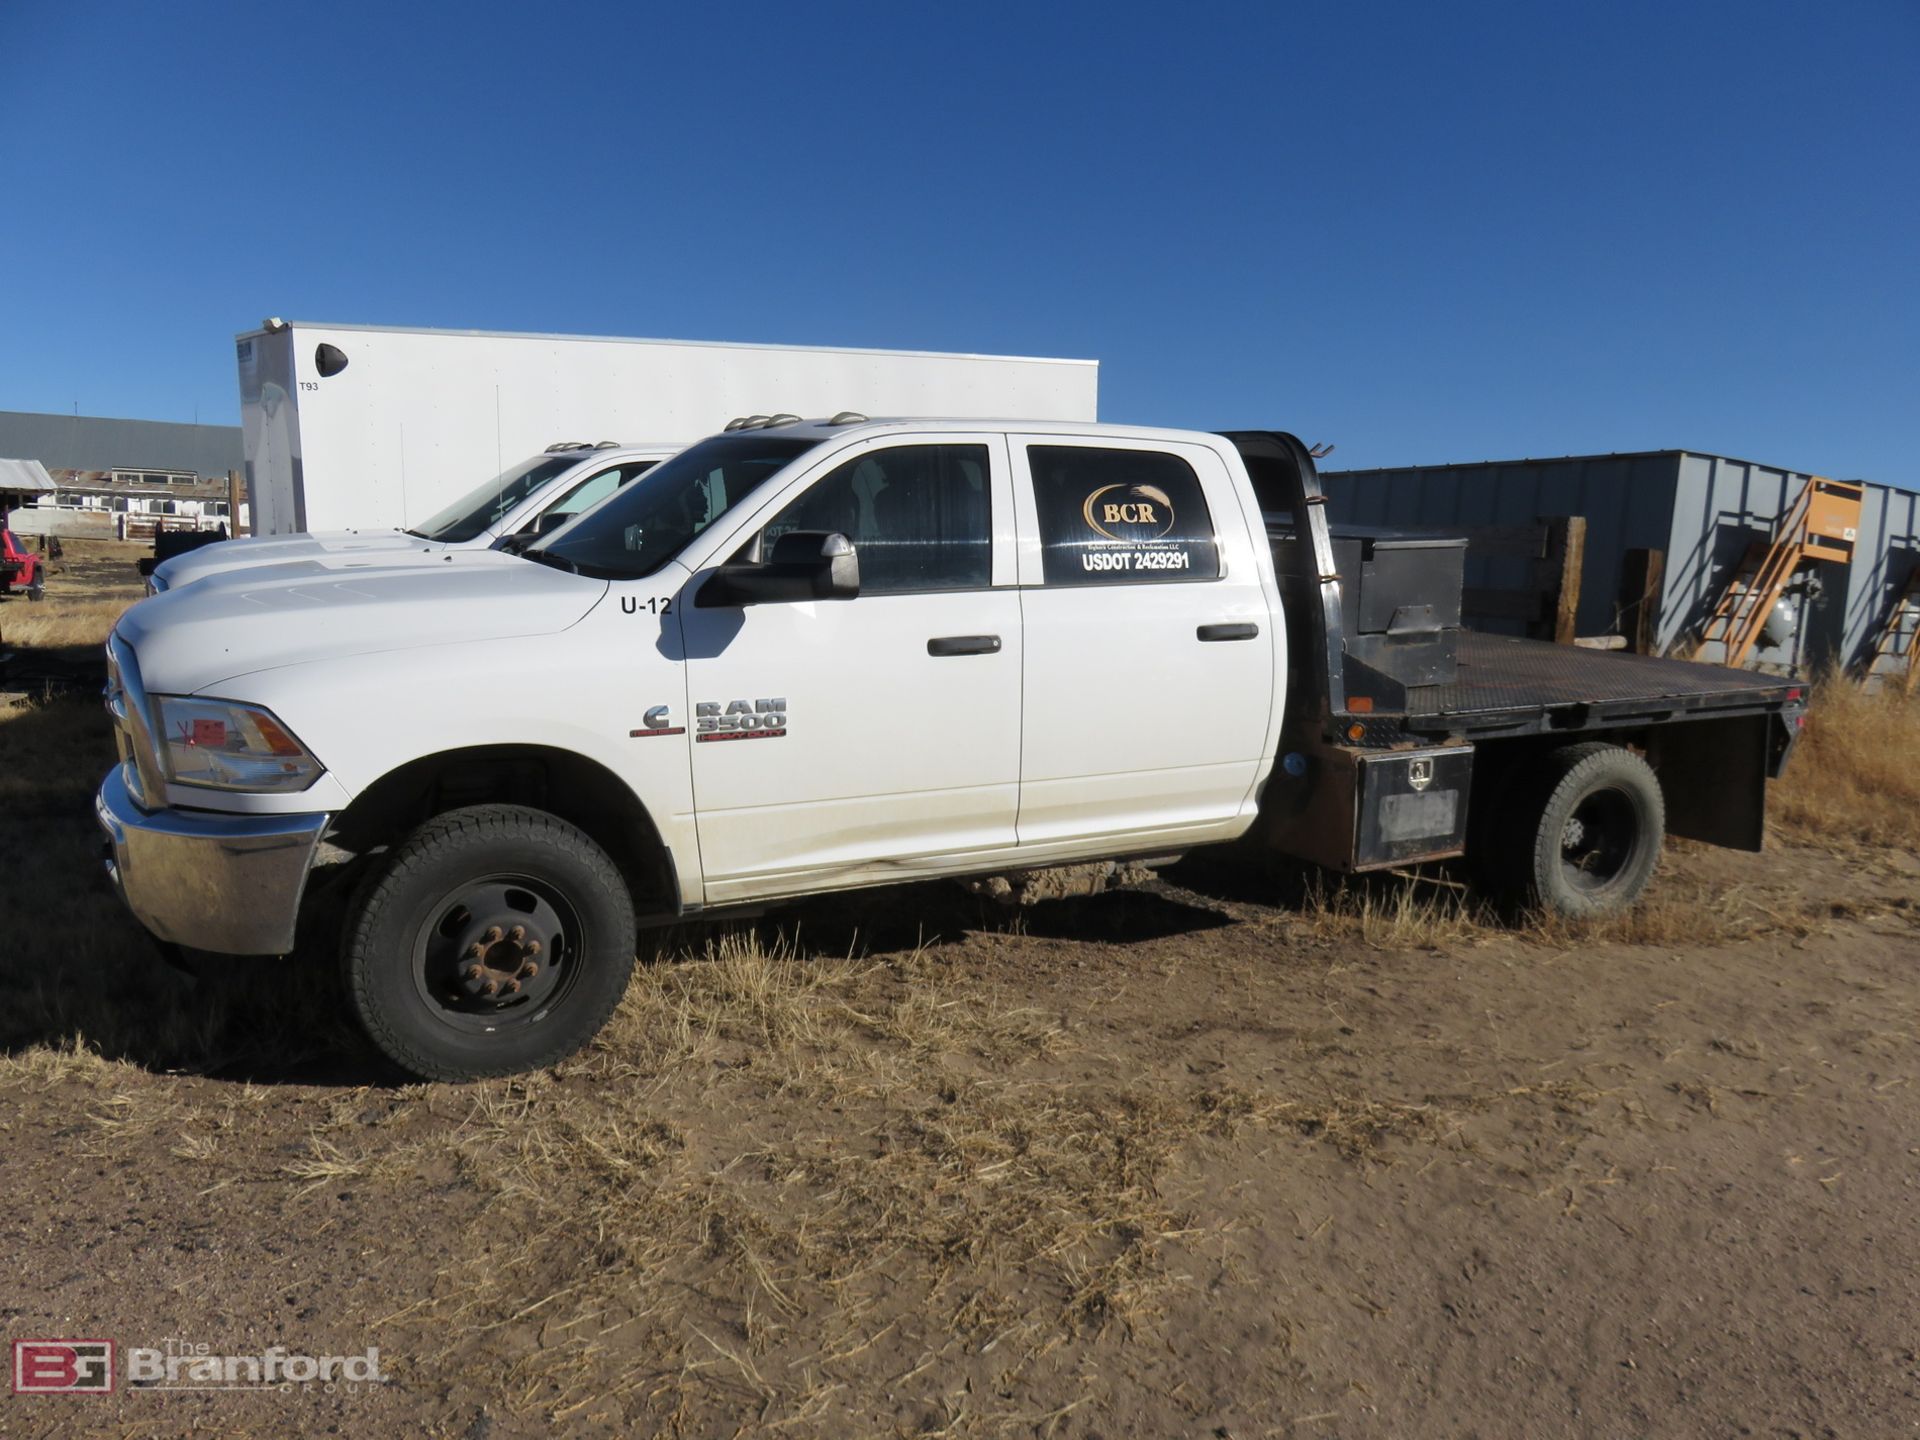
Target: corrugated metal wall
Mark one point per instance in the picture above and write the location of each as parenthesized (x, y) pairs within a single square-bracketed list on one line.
[(1626, 499), (1890, 550), (1720, 508), (1703, 510)]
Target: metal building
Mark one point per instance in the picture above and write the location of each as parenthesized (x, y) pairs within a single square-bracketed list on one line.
[(89, 442), (120, 476), (1703, 514)]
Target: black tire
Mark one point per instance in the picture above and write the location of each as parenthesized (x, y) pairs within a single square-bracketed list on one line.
[(488, 896), (1579, 834)]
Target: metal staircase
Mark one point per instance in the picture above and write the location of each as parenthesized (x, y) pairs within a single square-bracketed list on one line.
[(1896, 650), (1822, 525)]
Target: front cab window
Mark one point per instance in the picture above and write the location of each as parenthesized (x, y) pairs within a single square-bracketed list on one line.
[(920, 517)]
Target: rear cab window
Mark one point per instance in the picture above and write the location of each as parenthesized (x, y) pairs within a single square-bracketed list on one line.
[(1120, 516)]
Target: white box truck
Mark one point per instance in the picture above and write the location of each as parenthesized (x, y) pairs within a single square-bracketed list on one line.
[(371, 427)]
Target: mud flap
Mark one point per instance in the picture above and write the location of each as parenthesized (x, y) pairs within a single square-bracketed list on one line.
[(1713, 774)]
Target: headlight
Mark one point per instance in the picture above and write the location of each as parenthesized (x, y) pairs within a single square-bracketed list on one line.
[(227, 746)]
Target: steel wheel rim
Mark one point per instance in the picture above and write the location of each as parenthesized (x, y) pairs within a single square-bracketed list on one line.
[(1600, 841), (531, 972)]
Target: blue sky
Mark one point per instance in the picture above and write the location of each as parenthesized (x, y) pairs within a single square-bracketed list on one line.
[(1421, 232)]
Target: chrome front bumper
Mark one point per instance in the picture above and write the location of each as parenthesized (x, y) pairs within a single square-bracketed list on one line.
[(226, 883)]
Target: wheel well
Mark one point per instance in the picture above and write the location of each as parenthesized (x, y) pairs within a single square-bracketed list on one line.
[(1496, 761), (1500, 763), (580, 791)]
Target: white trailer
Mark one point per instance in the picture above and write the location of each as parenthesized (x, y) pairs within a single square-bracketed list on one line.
[(372, 426)]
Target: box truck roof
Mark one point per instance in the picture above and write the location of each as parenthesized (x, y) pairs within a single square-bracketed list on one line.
[(274, 325)]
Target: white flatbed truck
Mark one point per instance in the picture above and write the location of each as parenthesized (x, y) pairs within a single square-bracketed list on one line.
[(811, 657)]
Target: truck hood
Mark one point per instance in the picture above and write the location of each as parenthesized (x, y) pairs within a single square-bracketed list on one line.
[(267, 616), (339, 547)]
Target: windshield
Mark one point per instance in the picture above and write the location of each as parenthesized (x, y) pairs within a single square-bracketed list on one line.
[(474, 513), (647, 523)]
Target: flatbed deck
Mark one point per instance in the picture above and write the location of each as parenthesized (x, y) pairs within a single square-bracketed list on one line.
[(1507, 685), (1402, 725)]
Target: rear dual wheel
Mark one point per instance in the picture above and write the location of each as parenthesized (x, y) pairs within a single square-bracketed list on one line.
[(1578, 833), (496, 939)]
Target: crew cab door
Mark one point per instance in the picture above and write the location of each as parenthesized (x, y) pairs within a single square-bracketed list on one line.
[(847, 741), (1150, 664)]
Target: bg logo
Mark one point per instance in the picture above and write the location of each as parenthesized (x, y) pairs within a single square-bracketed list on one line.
[(1129, 513), (63, 1367)]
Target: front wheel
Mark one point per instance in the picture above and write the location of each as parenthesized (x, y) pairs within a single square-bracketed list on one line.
[(496, 939), (1582, 832)]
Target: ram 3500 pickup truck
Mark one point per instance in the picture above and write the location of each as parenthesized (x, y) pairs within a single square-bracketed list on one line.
[(809, 657), (511, 509)]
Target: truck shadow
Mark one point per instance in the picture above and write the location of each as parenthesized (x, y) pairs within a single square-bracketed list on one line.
[(273, 1022), (941, 912), (80, 975)]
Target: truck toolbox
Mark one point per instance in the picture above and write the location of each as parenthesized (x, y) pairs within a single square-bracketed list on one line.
[(1401, 610)]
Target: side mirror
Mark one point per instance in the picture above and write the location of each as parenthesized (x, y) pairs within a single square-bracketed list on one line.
[(801, 565), (520, 539)]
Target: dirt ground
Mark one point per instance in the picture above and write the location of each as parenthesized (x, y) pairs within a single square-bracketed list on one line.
[(1181, 1160)]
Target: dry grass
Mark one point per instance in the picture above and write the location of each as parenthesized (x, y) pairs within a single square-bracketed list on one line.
[(58, 625), (1396, 912), (86, 591), (1356, 1126), (889, 1153), (863, 1175), (56, 645), (1853, 776), (1422, 912)]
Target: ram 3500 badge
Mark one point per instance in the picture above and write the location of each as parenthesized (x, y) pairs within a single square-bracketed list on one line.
[(740, 720)]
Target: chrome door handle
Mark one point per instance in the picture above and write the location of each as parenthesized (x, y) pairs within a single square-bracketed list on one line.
[(1241, 630), (964, 645)]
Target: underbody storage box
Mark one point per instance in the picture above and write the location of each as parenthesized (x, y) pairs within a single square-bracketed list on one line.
[(1349, 809), (1400, 596)]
